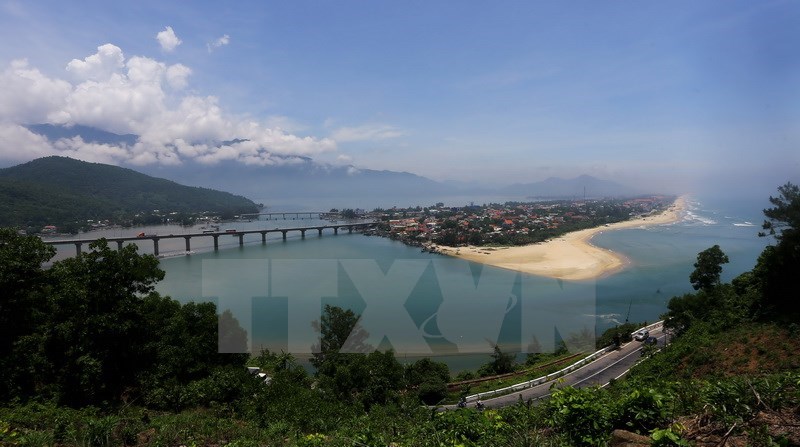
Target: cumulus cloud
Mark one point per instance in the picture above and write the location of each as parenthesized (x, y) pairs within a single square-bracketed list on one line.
[(17, 143), (141, 96), (167, 39), (222, 41), (369, 132), (99, 66), (28, 96)]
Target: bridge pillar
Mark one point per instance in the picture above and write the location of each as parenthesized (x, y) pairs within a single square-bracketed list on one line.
[(216, 242), (78, 247), (350, 229), (335, 230), (119, 245), (320, 231), (155, 246), (263, 237), (241, 240), (303, 234), (284, 234), (188, 246)]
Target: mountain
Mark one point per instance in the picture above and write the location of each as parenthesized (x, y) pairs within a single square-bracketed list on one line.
[(59, 190), (297, 181), (301, 178), (88, 134), (554, 187), (292, 177)]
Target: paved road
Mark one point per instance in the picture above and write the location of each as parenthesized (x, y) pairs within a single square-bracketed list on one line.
[(599, 372)]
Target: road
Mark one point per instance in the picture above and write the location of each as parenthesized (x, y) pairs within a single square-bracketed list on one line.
[(599, 372)]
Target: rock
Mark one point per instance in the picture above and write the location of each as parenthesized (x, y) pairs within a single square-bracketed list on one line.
[(622, 438)]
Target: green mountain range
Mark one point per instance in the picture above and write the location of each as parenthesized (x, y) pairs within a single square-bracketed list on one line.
[(66, 192)]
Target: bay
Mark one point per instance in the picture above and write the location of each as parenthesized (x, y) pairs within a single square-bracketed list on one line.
[(426, 304)]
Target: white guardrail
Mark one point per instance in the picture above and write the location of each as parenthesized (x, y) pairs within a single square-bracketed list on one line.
[(555, 375)]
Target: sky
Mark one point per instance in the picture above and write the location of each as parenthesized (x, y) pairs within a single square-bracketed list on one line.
[(662, 95)]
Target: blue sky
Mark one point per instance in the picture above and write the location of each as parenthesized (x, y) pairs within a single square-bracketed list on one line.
[(666, 95)]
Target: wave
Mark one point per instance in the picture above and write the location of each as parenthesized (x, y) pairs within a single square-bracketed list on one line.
[(690, 216), (744, 224), (608, 318)]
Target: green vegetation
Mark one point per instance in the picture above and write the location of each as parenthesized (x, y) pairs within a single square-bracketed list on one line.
[(511, 223), (90, 355), (67, 193)]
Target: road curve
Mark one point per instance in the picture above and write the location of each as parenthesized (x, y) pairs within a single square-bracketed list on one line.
[(597, 373)]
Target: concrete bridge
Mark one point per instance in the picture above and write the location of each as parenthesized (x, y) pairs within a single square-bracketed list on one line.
[(293, 216), (78, 243)]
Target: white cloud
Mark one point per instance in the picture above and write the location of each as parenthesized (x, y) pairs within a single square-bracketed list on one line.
[(141, 96), (95, 152), (28, 96), (17, 143), (177, 76), (369, 132), (168, 40), (99, 66), (222, 41)]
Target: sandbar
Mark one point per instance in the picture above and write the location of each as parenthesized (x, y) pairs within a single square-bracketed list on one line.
[(570, 256)]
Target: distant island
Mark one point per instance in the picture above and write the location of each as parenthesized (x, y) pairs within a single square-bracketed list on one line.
[(59, 194)]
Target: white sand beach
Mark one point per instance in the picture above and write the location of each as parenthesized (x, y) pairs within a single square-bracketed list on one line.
[(571, 256)]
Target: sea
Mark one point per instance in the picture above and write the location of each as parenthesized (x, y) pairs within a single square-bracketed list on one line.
[(424, 304)]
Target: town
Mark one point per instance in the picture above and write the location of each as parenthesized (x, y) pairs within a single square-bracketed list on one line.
[(512, 223)]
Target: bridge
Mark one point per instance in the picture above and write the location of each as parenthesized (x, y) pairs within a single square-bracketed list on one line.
[(78, 243), (295, 215)]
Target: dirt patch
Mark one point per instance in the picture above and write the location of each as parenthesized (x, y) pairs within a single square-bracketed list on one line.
[(781, 426), (749, 350)]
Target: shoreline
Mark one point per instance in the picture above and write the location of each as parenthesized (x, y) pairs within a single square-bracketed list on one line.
[(571, 256)]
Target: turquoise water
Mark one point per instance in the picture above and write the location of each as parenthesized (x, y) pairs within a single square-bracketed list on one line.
[(425, 304), (662, 256)]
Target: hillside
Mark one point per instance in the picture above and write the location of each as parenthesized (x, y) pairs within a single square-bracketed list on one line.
[(61, 191)]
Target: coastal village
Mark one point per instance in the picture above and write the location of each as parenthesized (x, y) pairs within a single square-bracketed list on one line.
[(512, 223)]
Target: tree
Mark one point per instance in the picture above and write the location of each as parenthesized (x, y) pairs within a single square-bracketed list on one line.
[(96, 332), (708, 267), (429, 378), (783, 220), (501, 363), (778, 267), (23, 307), (339, 331)]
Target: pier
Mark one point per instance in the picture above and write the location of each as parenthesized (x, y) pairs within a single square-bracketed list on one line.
[(78, 243)]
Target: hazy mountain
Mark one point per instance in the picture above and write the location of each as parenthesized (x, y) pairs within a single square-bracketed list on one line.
[(293, 178), (59, 190), (554, 187), (88, 134), (302, 178)]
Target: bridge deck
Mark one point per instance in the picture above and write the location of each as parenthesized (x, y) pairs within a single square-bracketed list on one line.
[(212, 234)]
